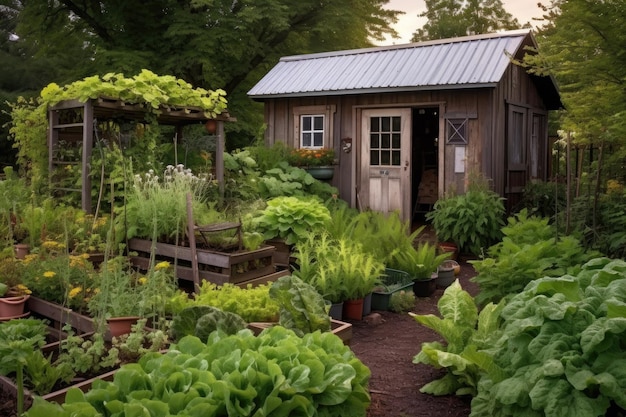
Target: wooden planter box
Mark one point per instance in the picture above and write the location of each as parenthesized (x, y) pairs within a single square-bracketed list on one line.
[(216, 267), (340, 328), (58, 315)]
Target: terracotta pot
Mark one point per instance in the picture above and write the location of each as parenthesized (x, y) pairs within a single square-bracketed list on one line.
[(353, 309), (449, 247), (121, 325), (12, 307), (21, 250)]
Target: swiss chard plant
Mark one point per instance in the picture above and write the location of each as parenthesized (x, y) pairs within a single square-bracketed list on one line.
[(467, 333), (274, 374), (562, 348)]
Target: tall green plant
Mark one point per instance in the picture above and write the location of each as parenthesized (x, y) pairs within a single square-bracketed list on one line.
[(419, 262), (471, 220)]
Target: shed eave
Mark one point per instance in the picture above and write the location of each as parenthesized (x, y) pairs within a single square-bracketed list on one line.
[(379, 90)]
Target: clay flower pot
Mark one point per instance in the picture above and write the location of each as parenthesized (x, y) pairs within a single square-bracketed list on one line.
[(121, 325), (12, 307)]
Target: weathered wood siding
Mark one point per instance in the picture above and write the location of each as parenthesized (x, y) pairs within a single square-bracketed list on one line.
[(486, 145)]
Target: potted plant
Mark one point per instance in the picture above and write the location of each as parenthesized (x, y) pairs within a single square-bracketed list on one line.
[(420, 263), (339, 269), (472, 220), (123, 295), (317, 162), (13, 292)]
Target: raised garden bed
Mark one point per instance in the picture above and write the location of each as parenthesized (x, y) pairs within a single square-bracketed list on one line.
[(340, 328), (217, 267)]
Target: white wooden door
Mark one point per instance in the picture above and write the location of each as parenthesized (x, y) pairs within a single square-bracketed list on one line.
[(385, 161)]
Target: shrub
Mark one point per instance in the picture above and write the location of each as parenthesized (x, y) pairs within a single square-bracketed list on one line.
[(471, 220)]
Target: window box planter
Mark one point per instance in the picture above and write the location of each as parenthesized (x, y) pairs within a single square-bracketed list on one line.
[(216, 267)]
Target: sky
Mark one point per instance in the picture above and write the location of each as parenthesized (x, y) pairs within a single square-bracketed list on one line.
[(523, 10)]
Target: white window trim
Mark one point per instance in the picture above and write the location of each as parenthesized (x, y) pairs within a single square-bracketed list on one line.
[(323, 110)]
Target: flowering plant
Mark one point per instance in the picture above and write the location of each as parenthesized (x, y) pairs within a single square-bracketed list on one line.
[(11, 284), (304, 157)]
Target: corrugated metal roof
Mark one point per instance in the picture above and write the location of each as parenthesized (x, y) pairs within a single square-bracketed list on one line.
[(473, 61)]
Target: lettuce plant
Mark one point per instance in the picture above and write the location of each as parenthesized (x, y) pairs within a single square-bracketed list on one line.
[(466, 333), (274, 374), (562, 347)]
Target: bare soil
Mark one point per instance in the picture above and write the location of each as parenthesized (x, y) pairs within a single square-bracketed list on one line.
[(387, 345)]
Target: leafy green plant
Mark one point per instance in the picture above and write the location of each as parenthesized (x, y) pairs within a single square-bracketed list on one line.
[(419, 262), (467, 334), (285, 180), (526, 252), (250, 303), (292, 218), (276, 373), (19, 339), (302, 308), (337, 269), (402, 301), (471, 220), (561, 347), (201, 320)]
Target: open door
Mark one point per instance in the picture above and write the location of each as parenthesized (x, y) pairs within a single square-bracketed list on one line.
[(385, 161)]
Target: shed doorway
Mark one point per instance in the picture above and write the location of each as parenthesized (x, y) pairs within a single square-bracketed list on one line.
[(424, 157)]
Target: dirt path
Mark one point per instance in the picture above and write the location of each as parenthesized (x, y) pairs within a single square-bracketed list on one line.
[(388, 349)]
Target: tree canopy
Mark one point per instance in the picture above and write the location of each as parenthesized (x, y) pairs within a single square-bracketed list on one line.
[(454, 18), (214, 44), (582, 46)]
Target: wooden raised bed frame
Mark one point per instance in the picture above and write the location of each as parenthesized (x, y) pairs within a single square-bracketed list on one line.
[(216, 267)]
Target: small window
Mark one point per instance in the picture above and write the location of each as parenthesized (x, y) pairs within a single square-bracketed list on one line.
[(456, 131), (312, 131)]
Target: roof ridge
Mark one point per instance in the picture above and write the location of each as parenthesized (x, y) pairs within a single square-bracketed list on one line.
[(461, 39)]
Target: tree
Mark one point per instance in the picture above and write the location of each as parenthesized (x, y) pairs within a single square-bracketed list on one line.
[(209, 43), (454, 18)]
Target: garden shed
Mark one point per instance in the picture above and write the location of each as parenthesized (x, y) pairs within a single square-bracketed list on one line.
[(412, 122)]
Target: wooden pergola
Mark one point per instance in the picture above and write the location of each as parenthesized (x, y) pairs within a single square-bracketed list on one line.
[(79, 128)]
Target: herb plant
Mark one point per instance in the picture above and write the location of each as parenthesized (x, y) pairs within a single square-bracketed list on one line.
[(419, 262), (561, 347), (276, 373)]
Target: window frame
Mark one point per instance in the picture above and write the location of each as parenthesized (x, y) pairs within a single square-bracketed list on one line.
[(327, 111)]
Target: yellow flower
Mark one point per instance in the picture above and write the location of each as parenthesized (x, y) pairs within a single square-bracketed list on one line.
[(49, 274), (53, 245), (75, 291), (162, 265), (22, 289), (143, 280)]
